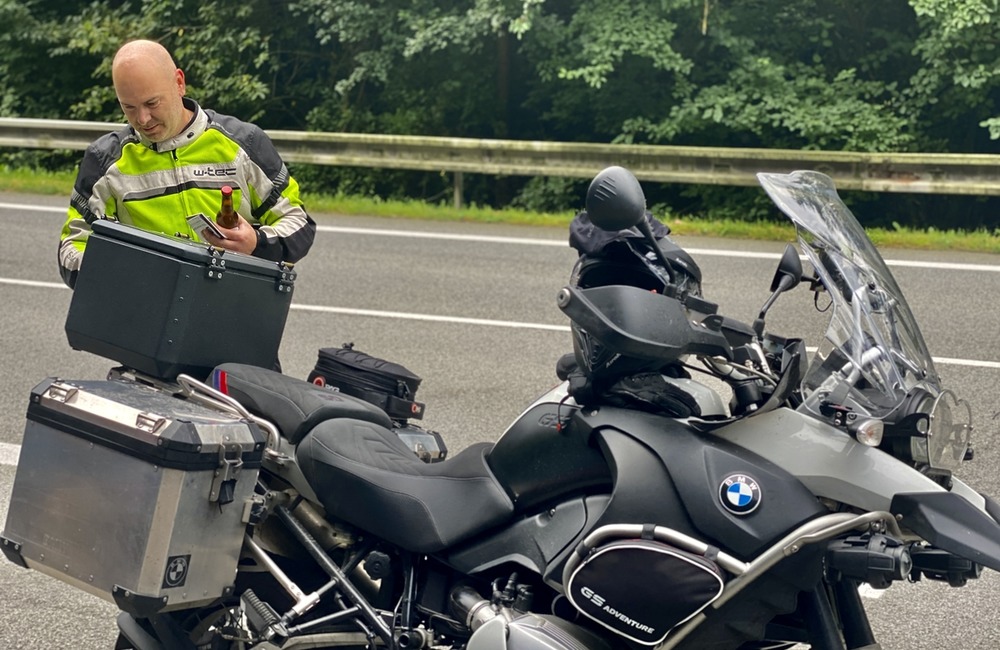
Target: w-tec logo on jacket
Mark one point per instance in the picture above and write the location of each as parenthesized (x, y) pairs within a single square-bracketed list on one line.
[(216, 171)]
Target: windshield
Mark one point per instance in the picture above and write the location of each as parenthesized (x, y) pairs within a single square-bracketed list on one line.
[(873, 353)]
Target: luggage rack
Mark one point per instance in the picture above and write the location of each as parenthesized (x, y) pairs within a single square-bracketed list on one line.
[(203, 394)]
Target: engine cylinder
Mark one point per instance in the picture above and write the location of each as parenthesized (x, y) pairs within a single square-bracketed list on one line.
[(471, 608)]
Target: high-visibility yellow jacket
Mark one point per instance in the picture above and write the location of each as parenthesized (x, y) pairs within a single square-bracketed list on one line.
[(156, 186)]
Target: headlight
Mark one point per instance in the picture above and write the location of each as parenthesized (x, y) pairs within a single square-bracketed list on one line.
[(948, 431)]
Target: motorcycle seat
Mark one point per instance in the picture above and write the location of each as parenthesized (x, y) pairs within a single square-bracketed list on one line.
[(364, 474), (295, 406)]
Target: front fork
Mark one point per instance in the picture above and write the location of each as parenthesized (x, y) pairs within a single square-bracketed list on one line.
[(857, 629), (835, 618)]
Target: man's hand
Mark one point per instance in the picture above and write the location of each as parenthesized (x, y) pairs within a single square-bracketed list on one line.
[(241, 239)]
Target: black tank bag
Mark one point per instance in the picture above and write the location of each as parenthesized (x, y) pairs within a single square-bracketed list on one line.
[(387, 385)]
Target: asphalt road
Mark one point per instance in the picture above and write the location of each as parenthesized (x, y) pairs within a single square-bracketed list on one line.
[(471, 309)]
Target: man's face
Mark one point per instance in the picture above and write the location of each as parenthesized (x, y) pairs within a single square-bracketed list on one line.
[(152, 101)]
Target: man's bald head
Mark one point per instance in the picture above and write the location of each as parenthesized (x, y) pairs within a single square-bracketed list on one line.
[(150, 88), (149, 55)]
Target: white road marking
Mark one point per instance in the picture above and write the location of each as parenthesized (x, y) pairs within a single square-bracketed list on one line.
[(9, 453), (561, 243), (459, 320)]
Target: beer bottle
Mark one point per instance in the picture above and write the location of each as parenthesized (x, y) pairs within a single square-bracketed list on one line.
[(227, 217)]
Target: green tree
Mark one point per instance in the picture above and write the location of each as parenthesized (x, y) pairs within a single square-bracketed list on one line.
[(38, 77), (894, 75), (954, 93), (230, 50)]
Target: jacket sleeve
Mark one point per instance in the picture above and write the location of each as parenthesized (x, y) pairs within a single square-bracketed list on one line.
[(89, 201), (286, 231), (71, 245)]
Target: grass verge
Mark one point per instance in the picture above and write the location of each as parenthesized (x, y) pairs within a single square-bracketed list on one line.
[(35, 182)]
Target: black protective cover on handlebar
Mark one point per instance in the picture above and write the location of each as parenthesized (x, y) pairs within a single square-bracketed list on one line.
[(640, 323)]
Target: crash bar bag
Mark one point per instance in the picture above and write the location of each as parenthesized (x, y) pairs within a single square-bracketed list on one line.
[(641, 589)]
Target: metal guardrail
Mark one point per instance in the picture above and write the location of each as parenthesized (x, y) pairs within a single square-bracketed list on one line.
[(917, 173)]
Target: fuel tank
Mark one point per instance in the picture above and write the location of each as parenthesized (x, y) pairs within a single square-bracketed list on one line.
[(655, 469), (667, 473), (542, 457)]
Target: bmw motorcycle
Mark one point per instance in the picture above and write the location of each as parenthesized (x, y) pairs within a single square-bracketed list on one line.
[(694, 481)]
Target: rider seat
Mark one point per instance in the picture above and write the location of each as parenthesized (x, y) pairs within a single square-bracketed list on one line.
[(364, 474), (360, 469)]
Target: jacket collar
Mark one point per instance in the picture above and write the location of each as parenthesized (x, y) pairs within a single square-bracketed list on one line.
[(190, 133)]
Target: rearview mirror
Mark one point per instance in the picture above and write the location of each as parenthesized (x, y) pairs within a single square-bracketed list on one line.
[(789, 272), (786, 277)]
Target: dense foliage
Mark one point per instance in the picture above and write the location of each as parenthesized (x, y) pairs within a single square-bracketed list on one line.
[(894, 75)]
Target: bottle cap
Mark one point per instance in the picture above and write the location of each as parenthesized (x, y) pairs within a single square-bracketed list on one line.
[(226, 190)]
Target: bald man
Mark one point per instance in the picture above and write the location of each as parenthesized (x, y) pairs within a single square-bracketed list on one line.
[(172, 160)]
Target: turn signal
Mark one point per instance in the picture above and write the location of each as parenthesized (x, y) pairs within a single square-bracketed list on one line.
[(868, 432)]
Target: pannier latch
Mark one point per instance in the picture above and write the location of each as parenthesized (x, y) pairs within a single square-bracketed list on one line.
[(61, 393), (149, 422), (224, 482), (286, 278), (216, 266)]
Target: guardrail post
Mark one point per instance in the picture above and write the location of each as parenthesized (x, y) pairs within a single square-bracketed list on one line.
[(458, 190)]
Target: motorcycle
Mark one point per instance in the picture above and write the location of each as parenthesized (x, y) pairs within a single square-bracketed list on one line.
[(694, 481)]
